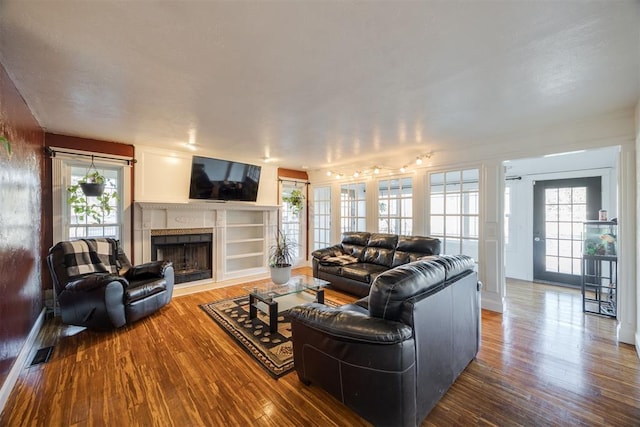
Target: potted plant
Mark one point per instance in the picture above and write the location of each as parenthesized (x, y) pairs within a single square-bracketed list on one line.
[(281, 256), (6, 144), (295, 200), (89, 198)]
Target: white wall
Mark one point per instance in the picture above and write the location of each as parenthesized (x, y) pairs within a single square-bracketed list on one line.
[(163, 176)]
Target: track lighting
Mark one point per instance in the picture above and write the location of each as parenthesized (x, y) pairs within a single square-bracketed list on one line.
[(375, 169)]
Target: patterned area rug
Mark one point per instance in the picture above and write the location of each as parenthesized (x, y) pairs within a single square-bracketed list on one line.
[(274, 351)]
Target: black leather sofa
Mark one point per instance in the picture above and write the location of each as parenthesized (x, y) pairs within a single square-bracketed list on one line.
[(97, 287), (353, 264), (392, 355)]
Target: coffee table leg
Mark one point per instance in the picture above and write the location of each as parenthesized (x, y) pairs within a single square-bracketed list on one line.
[(320, 296), (273, 316), (253, 311)]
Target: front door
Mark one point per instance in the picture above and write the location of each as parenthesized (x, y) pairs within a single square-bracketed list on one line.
[(560, 208)]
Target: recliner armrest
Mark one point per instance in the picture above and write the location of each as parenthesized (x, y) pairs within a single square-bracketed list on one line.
[(149, 270), (94, 281), (350, 325)]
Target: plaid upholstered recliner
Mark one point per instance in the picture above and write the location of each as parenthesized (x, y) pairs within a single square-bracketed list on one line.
[(96, 286)]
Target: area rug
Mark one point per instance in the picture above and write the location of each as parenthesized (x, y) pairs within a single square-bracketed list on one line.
[(274, 351)]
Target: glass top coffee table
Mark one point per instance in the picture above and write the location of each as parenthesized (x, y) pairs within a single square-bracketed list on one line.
[(272, 299)]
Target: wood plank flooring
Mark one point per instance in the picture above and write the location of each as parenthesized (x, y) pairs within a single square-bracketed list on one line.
[(543, 362)]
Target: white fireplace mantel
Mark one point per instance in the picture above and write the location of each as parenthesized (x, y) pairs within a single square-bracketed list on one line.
[(241, 232)]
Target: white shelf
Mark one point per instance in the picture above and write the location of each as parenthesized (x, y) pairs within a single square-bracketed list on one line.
[(245, 241), (249, 255), (257, 239)]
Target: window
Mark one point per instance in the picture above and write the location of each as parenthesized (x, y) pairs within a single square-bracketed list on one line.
[(353, 201), (455, 211), (80, 225), (321, 217), (395, 206), (68, 171)]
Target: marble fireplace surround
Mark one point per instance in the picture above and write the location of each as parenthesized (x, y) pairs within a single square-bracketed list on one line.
[(216, 218)]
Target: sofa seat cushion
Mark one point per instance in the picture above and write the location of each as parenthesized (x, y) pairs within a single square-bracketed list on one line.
[(336, 270), (362, 272), (144, 288), (342, 259)]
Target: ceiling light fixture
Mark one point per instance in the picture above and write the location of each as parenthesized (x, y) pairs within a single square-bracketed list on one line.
[(376, 169)]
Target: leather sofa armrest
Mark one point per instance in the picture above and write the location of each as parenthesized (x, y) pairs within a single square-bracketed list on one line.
[(94, 281), (150, 270), (331, 251), (350, 325)]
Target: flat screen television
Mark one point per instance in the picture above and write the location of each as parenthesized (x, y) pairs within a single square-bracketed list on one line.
[(223, 180)]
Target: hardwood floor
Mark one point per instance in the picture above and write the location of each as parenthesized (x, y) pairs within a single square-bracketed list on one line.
[(543, 362)]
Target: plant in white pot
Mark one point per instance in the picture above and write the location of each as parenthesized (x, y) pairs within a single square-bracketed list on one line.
[(281, 257)]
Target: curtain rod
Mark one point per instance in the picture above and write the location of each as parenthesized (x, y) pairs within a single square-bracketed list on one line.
[(52, 153), (294, 181)]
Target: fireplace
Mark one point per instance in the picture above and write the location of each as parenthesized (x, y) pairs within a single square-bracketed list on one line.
[(190, 250)]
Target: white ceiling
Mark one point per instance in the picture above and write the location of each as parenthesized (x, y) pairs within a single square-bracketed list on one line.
[(318, 84)]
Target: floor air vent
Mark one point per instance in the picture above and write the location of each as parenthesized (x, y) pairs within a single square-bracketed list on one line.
[(42, 356)]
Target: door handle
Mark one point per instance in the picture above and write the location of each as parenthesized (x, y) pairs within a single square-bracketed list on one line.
[(536, 239)]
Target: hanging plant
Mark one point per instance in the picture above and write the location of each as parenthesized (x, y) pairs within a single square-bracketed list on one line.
[(295, 200), (89, 198), (6, 144)]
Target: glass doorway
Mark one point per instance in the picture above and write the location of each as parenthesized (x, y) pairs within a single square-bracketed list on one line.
[(560, 208)]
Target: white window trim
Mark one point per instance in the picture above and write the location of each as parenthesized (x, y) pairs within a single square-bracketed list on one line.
[(59, 190)]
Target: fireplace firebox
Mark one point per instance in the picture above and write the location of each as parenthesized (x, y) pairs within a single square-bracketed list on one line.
[(191, 254)]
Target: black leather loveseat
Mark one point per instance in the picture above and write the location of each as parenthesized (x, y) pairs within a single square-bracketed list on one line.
[(392, 355), (353, 264)]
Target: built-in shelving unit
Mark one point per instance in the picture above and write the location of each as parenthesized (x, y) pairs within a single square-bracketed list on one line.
[(245, 246)]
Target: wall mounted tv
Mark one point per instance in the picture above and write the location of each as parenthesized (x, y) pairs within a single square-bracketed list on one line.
[(223, 180)]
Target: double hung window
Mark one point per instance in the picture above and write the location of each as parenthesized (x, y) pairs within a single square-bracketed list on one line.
[(353, 202), (321, 217), (455, 211), (395, 206)]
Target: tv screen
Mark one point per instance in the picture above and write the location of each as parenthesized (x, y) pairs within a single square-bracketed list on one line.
[(216, 179)]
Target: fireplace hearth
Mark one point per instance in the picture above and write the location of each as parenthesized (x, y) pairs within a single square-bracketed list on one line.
[(191, 254)]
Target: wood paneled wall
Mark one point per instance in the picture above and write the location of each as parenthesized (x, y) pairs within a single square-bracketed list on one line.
[(21, 223)]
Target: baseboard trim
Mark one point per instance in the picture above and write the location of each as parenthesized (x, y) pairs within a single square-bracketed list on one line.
[(638, 344), (21, 361), (492, 302)]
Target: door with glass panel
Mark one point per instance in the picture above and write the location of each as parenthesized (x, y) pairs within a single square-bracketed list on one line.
[(293, 222), (560, 208)]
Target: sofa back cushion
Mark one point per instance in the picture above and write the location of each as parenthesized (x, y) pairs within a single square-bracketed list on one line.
[(390, 289), (354, 243), (454, 265), (411, 248), (380, 249)]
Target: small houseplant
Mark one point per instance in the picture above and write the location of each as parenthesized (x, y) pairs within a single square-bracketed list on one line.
[(281, 257), (6, 144), (295, 200), (89, 198)]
